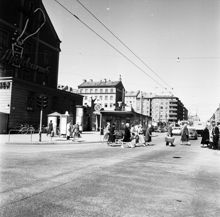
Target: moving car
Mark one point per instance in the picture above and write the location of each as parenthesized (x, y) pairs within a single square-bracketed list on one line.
[(192, 133), (176, 130)]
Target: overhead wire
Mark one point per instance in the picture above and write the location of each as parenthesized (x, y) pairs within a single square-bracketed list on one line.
[(123, 43), (112, 46)]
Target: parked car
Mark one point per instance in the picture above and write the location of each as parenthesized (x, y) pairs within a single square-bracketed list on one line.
[(176, 131), (192, 133)]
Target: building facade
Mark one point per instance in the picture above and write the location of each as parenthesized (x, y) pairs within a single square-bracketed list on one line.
[(139, 101), (161, 108), (168, 109), (29, 59), (108, 94), (216, 115), (131, 99)]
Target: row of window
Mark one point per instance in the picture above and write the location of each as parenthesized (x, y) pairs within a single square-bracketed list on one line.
[(92, 90), (101, 97), (105, 105)]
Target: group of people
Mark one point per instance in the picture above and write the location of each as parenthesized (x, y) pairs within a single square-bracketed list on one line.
[(134, 135), (210, 136), (184, 139), (73, 130)]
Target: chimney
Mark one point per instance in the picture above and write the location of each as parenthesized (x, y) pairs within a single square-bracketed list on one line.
[(91, 80), (120, 79), (84, 80), (105, 80)]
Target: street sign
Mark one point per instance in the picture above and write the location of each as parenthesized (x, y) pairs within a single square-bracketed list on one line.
[(97, 107)]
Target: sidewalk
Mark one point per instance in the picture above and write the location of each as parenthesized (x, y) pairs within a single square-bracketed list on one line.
[(86, 137)]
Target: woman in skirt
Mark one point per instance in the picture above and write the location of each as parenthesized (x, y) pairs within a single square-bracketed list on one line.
[(205, 137), (185, 136)]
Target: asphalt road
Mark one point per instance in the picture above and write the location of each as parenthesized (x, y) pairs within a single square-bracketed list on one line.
[(97, 180)]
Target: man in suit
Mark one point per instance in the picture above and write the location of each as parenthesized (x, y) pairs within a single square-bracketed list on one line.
[(215, 135)]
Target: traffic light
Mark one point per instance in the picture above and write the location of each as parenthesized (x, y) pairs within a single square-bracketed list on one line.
[(45, 101), (42, 101)]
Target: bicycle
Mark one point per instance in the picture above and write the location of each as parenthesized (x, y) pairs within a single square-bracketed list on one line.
[(25, 129)]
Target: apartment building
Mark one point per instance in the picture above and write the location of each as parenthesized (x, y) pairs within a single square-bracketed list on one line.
[(162, 108), (167, 108), (108, 94), (139, 101)]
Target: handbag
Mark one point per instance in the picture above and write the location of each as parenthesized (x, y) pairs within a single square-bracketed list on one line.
[(169, 139)]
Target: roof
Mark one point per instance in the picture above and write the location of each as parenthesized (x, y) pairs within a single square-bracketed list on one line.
[(165, 97), (54, 114), (49, 22), (122, 113), (104, 83), (132, 93), (145, 95)]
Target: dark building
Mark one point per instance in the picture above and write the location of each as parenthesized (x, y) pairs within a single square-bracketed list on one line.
[(29, 60)]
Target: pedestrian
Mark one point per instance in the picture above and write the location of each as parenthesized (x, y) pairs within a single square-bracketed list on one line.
[(215, 135), (133, 142), (107, 131), (80, 128), (127, 134), (69, 128), (169, 138), (141, 138), (77, 133), (50, 128), (148, 134), (132, 130), (111, 138), (185, 135), (205, 137)]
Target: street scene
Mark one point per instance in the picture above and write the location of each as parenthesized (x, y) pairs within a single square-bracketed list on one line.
[(109, 108), (93, 179)]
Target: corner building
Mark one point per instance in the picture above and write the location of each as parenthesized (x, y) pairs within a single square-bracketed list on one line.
[(108, 94), (30, 69)]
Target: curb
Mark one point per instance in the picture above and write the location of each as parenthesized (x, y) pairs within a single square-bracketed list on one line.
[(54, 143)]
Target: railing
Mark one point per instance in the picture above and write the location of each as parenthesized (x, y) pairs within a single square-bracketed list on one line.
[(23, 130)]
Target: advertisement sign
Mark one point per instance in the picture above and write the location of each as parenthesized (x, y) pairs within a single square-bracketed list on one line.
[(5, 96)]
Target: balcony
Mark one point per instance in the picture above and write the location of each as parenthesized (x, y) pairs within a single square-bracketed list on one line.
[(172, 109), (173, 104), (172, 118)]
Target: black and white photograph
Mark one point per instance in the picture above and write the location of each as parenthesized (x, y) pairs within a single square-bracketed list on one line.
[(109, 108)]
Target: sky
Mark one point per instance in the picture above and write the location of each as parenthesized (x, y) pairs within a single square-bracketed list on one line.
[(179, 40)]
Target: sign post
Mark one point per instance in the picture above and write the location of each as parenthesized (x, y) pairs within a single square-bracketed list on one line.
[(40, 130), (97, 108)]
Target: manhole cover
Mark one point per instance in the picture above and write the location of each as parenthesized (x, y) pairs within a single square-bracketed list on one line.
[(179, 201), (176, 157)]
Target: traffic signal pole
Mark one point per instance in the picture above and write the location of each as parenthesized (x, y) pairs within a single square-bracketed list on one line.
[(40, 130), (42, 102)]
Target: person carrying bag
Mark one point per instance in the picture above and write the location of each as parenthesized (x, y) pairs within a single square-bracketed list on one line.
[(169, 138)]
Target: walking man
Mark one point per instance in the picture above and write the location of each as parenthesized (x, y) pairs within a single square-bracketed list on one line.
[(215, 135)]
